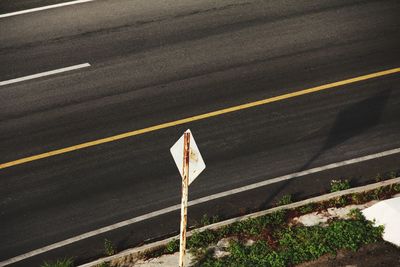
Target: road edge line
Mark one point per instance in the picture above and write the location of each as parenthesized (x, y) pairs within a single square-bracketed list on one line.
[(36, 9), (226, 193)]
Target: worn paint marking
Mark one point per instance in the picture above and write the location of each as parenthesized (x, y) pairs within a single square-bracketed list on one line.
[(44, 74)]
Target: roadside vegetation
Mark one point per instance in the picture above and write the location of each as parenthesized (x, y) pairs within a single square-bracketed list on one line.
[(287, 246), (273, 239)]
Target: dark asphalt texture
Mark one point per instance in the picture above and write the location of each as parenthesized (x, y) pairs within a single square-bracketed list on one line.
[(155, 62)]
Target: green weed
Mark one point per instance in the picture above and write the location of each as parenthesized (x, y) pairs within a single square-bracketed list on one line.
[(285, 200), (109, 248), (172, 246), (66, 262), (202, 239), (377, 193), (378, 177), (396, 187), (206, 220), (306, 208), (339, 185)]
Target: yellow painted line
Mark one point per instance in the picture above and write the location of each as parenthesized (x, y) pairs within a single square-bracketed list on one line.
[(199, 117)]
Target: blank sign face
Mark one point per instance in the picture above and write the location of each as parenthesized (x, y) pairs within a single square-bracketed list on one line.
[(196, 162)]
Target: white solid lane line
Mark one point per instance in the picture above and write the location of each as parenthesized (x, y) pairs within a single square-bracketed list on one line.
[(43, 8), (46, 73), (195, 202)]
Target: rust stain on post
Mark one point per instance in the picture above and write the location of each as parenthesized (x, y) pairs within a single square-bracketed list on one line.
[(185, 189)]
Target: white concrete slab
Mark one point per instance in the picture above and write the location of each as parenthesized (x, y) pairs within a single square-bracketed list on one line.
[(386, 213)]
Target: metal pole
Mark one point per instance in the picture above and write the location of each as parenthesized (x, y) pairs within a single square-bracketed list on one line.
[(185, 189)]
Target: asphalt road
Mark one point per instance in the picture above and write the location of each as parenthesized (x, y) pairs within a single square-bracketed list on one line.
[(158, 61)]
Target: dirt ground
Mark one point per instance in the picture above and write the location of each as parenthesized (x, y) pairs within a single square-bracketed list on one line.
[(381, 254)]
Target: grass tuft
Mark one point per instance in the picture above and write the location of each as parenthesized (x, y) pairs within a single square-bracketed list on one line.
[(339, 185), (109, 248), (285, 200), (66, 262)]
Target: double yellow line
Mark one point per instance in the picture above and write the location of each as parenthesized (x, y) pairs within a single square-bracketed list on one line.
[(198, 117)]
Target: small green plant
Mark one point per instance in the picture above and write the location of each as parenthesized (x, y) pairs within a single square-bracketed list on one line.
[(104, 264), (109, 248), (396, 187), (205, 220), (253, 226), (285, 200), (377, 193), (202, 239), (215, 219), (358, 198), (66, 262), (276, 218), (339, 185), (378, 177), (172, 246), (306, 208), (340, 201), (356, 214)]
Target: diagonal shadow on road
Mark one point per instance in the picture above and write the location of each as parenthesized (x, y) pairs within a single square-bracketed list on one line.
[(350, 122)]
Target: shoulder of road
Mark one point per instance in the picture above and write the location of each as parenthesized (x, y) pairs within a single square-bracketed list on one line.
[(337, 205)]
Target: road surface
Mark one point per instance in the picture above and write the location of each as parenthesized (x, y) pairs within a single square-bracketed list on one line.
[(148, 63)]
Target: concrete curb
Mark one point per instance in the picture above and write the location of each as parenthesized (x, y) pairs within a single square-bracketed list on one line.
[(135, 252)]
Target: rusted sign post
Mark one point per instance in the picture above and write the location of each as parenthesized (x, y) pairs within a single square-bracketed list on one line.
[(185, 191), (190, 164)]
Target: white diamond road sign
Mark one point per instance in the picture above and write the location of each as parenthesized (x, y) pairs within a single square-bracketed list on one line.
[(196, 162)]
